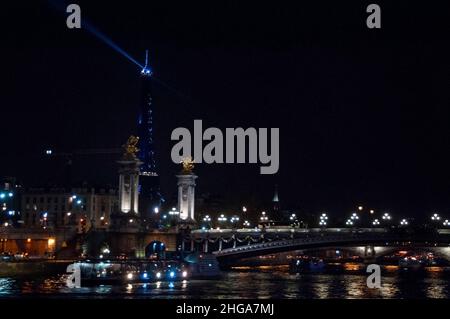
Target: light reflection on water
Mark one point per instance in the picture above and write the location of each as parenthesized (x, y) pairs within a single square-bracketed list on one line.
[(264, 284)]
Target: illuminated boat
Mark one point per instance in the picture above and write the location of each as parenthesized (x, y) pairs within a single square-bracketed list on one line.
[(119, 271)]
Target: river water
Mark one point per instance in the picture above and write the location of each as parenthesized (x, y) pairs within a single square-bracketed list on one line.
[(265, 282)]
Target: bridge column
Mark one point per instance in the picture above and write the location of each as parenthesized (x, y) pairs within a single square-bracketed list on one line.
[(220, 244), (234, 243), (205, 246), (192, 245), (182, 245)]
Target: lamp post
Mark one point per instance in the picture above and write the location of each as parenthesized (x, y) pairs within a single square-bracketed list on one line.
[(323, 220), (234, 220), (207, 222), (264, 219), (222, 219), (435, 217)]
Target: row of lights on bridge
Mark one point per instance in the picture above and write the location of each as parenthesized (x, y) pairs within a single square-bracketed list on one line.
[(323, 219)]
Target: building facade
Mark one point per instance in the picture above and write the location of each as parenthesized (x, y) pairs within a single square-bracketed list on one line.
[(83, 208)]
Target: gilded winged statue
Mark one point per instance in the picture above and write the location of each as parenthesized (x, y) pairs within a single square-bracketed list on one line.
[(188, 165), (131, 148)]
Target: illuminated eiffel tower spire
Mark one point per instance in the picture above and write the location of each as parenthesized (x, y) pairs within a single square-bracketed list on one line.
[(145, 123)]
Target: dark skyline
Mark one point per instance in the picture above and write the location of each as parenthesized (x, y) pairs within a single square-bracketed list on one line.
[(363, 114)]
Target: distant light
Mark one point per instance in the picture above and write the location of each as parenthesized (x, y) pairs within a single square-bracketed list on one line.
[(172, 274), (45, 215), (158, 275), (164, 216), (244, 209), (74, 197), (11, 213), (435, 217), (2, 195), (10, 194), (51, 241), (337, 252), (69, 213), (101, 256), (131, 220), (129, 276), (145, 275), (6, 224), (372, 211), (102, 217), (360, 208), (156, 210), (184, 274), (48, 152), (28, 240), (146, 71), (79, 201), (106, 251)]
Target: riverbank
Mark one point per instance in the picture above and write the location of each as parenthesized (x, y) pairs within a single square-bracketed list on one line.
[(33, 267)]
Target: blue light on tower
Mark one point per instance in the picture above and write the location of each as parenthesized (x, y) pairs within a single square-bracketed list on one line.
[(146, 71)]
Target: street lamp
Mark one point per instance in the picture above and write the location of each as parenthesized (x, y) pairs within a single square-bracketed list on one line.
[(354, 216), (323, 220), (207, 221), (349, 222), (244, 209), (376, 222), (360, 208), (436, 217), (263, 217), (403, 222), (246, 223), (386, 216), (234, 220), (222, 218), (446, 223)]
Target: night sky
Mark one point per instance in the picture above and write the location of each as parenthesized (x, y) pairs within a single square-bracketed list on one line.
[(363, 114)]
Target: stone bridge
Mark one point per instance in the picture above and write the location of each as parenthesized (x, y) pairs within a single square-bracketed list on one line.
[(231, 245)]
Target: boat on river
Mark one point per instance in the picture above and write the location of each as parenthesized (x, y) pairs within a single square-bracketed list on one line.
[(130, 271)]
